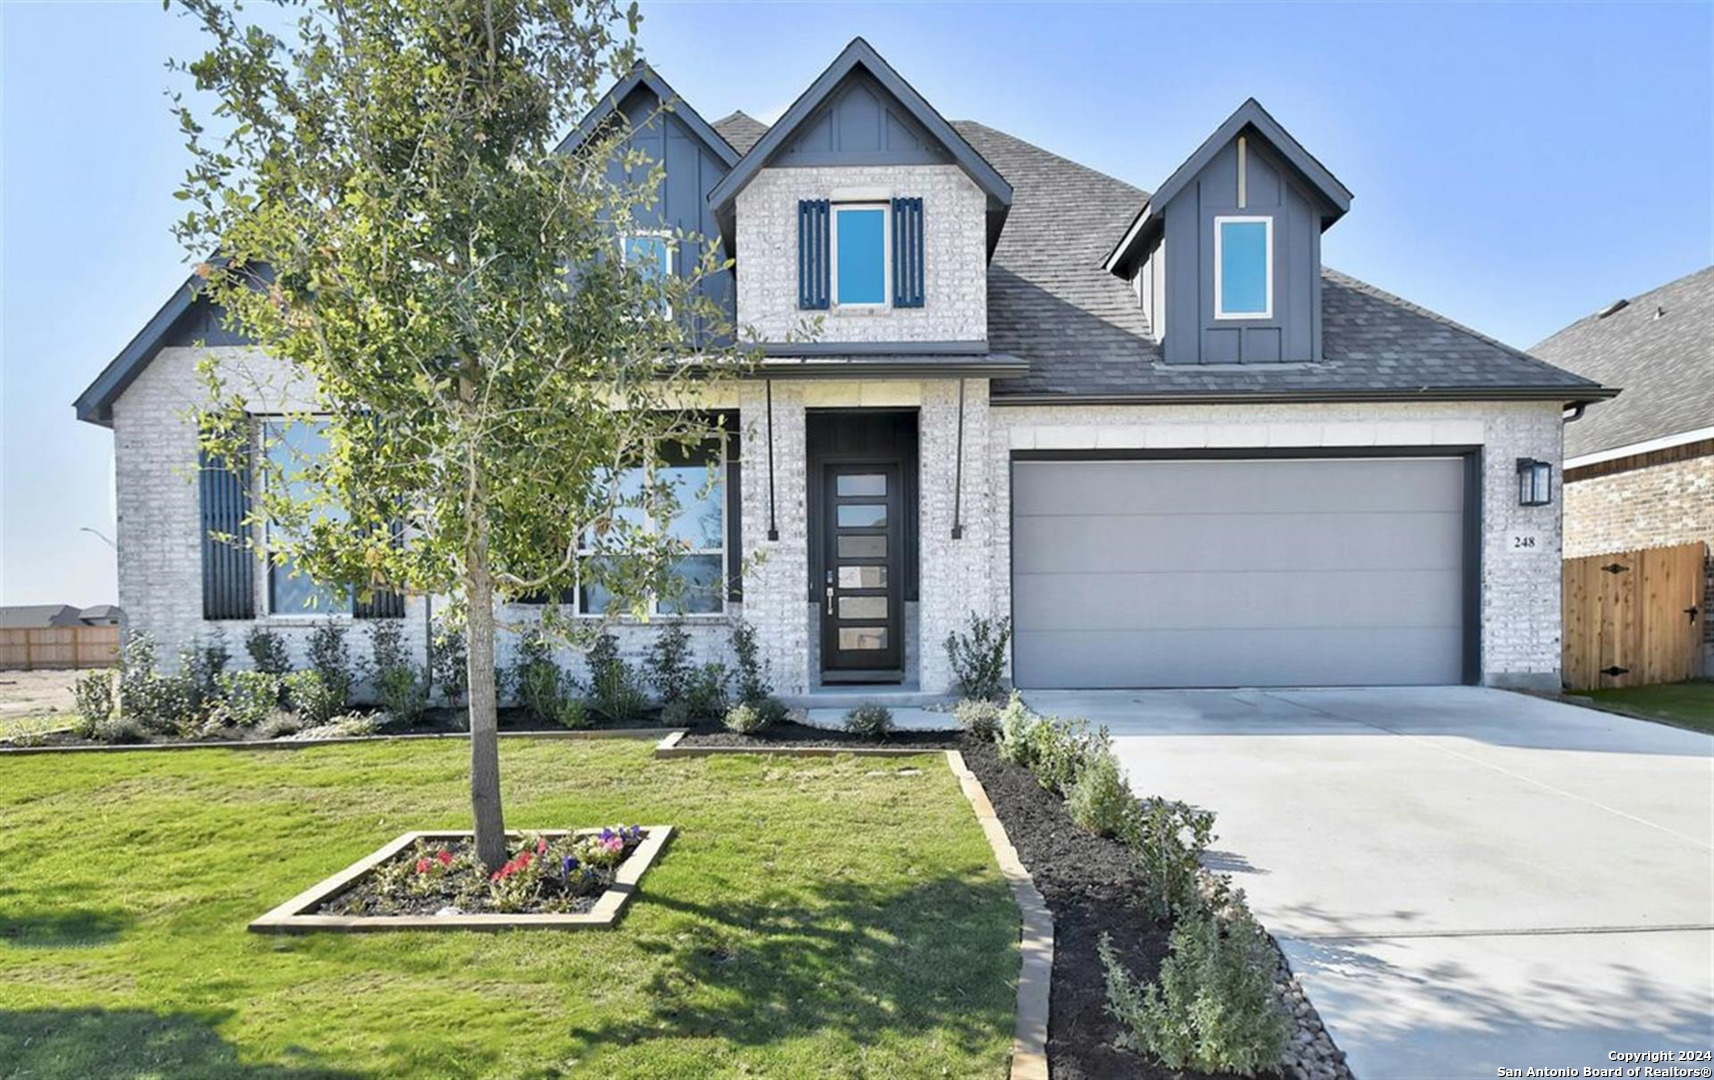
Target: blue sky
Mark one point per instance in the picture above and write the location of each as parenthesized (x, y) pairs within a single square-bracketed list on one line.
[(1515, 165)]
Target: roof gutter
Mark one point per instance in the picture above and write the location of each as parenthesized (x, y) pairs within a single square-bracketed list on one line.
[(1564, 395)]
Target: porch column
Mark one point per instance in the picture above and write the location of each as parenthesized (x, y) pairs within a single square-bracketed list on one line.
[(954, 574), (776, 572)]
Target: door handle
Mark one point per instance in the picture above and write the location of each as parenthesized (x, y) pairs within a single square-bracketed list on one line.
[(830, 599)]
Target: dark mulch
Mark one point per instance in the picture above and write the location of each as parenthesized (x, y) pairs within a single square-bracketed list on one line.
[(1091, 887), (793, 734)]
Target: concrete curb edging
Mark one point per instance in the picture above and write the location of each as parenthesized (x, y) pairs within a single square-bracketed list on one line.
[(288, 917), (1035, 946), (669, 748), (339, 740)]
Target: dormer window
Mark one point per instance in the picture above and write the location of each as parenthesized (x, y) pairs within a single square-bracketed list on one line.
[(1243, 267), (860, 255), (651, 256)]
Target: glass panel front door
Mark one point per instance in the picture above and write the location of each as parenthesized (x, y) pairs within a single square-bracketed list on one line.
[(860, 616)]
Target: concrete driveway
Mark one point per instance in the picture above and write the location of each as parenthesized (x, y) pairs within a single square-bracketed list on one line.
[(1465, 880)]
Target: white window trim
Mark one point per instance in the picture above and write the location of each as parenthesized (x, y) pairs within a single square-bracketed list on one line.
[(1219, 292), (667, 245), (886, 209), (655, 601), (266, 607)]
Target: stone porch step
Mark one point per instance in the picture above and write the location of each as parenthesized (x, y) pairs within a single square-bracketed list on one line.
[(849, 697)]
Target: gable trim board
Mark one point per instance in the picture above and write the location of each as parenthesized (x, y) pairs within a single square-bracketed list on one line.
[(643, 75)]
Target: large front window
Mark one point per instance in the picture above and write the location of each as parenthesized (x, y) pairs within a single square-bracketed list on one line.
[(1243, 268), (696, 479), (292, 447), (860, 255)]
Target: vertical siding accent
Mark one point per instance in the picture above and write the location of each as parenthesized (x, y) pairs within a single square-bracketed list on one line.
[(228, 584), (814, 257), (907, 253)]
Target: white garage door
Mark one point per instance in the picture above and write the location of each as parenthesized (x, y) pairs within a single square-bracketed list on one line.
[(1274, 572)]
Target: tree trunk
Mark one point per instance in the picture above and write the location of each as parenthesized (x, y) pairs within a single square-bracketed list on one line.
[(479, 666)]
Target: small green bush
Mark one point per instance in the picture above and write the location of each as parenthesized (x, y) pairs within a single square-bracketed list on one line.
[(773, 711), (1168, 839), (267, 651), (706, 695), (1064, 748), (573, 714), (1019, 732), (310, 696), (247, 699), (668, 666), (1214, 1009), (745, 719), (979, 717), (538, 684), (330, 657), (150, 702), (753, 676), (1100, 800), (449, 663), (978, 656), (870, 721), (93, 694), (400, 688), (615, 690)]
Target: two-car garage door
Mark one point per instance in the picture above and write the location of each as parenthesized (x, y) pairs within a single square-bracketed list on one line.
[(1252, 572)]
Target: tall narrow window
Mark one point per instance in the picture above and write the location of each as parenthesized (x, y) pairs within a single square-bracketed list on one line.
[(651, 255), (293, 447), (860, 255), (1243, 268)]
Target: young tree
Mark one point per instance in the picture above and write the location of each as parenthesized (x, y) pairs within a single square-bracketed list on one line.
[(392, 220)]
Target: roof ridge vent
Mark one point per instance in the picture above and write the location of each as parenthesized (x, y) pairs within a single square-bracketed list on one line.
[(1613, 309)]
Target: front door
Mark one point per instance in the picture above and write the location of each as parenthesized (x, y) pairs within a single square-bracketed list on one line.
[(860, 623)]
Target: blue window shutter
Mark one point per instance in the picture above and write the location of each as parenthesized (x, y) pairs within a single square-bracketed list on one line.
[(907, 253), (814, 264), (228, 590)]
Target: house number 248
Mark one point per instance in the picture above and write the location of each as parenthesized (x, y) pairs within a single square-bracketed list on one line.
[(1526, 541)]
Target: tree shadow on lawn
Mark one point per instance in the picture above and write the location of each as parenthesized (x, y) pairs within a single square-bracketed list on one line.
[(76, 1044), (51, 924), (848, 957)]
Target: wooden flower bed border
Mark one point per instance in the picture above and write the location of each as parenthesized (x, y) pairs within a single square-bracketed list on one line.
[(291, 916)]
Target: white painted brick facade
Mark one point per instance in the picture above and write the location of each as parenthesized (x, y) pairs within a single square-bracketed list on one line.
[(955, 261)]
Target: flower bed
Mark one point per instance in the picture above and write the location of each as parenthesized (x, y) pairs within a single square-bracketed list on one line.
[(432, 880)]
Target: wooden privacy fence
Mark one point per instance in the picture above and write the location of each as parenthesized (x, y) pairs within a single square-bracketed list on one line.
[(1633, 618), (59, 647)]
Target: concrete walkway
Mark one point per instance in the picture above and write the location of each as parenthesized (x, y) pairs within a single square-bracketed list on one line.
[(1465, 880)]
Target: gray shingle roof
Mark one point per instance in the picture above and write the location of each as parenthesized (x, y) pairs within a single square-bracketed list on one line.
[(1665, 363), (1051, 303), (741, 130)]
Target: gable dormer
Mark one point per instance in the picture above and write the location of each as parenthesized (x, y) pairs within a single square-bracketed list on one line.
[(863, 208), (1226, 256)]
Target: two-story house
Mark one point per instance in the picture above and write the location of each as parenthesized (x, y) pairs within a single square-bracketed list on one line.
[(1153, 430)]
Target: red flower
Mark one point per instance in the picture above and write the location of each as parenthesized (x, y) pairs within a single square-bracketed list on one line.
[(422, 866), (444, 857), (524, 860), (541, 845)]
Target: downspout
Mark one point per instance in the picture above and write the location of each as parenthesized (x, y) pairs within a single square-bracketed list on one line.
[(773, 526), (958, 471)]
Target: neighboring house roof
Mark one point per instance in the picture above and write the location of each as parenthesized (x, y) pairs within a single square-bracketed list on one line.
[(39, 616), (859, 54), (1131, 247), (742, 130), (1659, 346), (100, 613), (642, 74)]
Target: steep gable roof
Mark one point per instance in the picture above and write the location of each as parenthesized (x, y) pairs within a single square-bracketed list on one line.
[(1250, 115), (643, 75), (1659, 346), (860, 55)]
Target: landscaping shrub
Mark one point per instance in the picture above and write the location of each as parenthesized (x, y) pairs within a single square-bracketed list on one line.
[(869, 721), (753, 677), (978, 656), (745, 719), (310, 696), (1018, 732), (773, 710), (1065, 749), (1100, 800), (573, 714), (399, 688), (267, 651), (1168, 839), (979, 717), (93, 694), (330, 657), (247, 699), (706, 695), (341, 726), (615, 690), (150, 702), (448, 663), (538, 684), (668, 666), (1214, 1009)]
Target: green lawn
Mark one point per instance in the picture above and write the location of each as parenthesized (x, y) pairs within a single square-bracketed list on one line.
[(818, 917), (1687, 704)]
